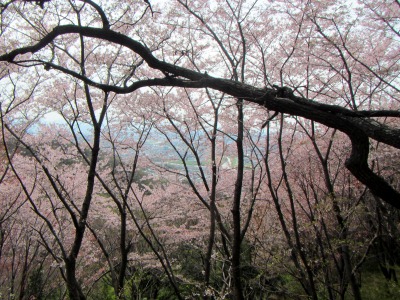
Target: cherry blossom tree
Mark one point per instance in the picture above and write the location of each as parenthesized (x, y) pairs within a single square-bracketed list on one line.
[(301, 60), (358, 126)]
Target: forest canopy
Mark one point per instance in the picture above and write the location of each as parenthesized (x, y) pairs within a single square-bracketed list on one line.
[(211, 149)]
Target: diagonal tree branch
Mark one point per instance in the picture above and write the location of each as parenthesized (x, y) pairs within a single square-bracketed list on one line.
[(355, 124)]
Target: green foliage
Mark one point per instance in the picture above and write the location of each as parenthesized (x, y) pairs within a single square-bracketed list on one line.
[(35, 285), (291, 285), (166, 293), (144, 284), (375, 286), (102, 291), (38, 288), (190, 259)]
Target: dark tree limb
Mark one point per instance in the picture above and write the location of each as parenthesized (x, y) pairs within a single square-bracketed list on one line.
[(357, 125)]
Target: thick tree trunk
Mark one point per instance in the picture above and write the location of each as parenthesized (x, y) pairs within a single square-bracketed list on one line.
[(237, 240), (211, 237), (124, 251), (74, 288)]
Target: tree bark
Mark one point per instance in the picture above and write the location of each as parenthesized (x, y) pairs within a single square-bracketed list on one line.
[(237, 240)]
